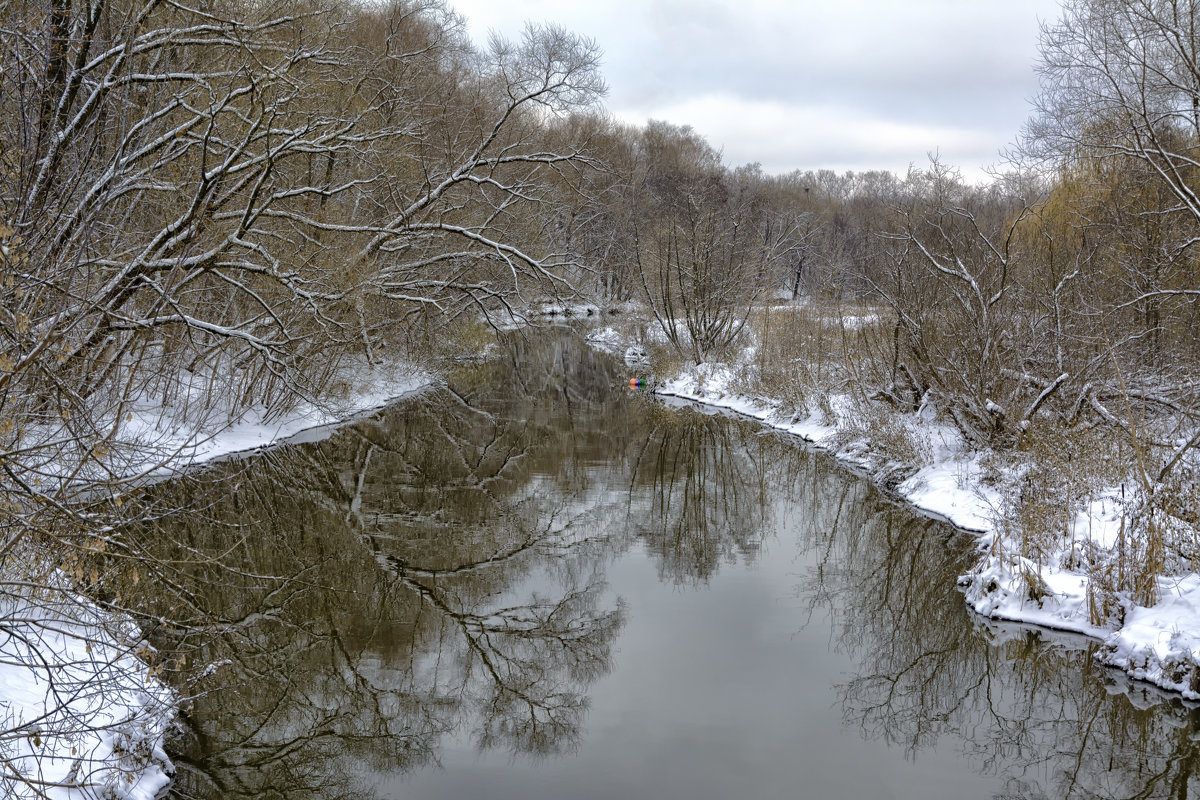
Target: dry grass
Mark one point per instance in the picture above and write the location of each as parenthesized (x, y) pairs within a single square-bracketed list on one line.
[(1063, 472), (665, 360), (803, 354), (888, 435)]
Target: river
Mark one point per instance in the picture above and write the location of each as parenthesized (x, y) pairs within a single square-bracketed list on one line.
[(534, 582)]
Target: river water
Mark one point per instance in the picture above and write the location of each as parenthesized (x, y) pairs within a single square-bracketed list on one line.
[(535, 583)]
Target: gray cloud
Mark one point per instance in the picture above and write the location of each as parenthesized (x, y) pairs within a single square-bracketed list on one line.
[(857, 84)]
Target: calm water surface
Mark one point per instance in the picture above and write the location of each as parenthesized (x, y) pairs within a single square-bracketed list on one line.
[(532, 583)]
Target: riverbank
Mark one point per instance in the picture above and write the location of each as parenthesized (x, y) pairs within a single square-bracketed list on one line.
[(82, 712), (928, 464), (171, 442)]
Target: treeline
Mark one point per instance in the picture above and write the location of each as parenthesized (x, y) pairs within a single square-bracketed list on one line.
[(1061, 294), (1066, 291), (213, 206), (219, 205)]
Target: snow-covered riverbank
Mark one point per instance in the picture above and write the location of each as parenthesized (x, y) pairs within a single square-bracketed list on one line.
[(1159, 643), (188, 442), (82, 714)]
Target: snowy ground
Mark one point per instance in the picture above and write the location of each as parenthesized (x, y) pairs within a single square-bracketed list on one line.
[(1159, 644), (84, 715), (158, 432)]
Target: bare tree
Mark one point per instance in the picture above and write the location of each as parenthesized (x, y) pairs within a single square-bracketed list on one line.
[(213, 207), (707, 244), (1119, 116), (956, 293)]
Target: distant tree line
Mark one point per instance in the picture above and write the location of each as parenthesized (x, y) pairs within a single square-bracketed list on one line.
[(218, 205)]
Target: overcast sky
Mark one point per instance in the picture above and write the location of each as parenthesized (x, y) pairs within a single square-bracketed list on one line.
[(810, 84)]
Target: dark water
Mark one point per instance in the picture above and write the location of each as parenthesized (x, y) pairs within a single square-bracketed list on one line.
[(535, 584)]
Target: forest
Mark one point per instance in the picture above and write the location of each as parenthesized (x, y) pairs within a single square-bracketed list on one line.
[(218, 208)]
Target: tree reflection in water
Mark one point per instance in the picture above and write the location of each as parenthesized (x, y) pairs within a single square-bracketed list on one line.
[(710, 488), (438, 572), (370, 594), (435, 568), (1023, 703)]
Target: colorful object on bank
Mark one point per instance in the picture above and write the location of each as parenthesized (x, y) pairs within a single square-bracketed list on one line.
[(637, 383)]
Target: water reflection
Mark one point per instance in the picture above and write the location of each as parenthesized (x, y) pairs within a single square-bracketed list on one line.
[(1028, 706), (367, 595), (709, 484), (438, 567), (439, 573)]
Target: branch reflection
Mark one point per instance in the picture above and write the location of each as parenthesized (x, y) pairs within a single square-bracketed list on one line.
[(1015, 697), (711, 486), (435, 568), (437, 571)]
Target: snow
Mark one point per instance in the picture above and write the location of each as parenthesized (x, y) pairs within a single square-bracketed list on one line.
[(1015, 588), (948, 488), (1159, 644), (1162, 644), (607, 339), (155, 428), (951, 488), (861, 321), (1100, 520), (636, 356), (85, 715), (551, 309), (86, 719)]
